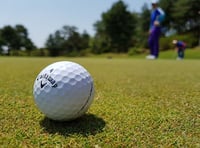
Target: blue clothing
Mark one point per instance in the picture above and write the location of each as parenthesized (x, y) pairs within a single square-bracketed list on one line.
[(153, 41), (181, 54), (181, 47), (156, 15), (155, 31)]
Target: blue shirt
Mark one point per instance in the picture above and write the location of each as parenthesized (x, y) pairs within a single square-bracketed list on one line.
[(156, 15), (180, 45)]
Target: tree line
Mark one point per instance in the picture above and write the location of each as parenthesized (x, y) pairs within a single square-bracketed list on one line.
[(119, 30), (14, 39)]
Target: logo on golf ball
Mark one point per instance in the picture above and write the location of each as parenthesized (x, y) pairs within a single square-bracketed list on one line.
[(45, 79)]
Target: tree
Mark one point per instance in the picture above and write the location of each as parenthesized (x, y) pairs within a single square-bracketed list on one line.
[(54, 43), (116, 27), (68, 31), (74, 41), (21, 31), (15, 38), (143, 26), (185, 14), (119, 26), (101, 41), (85, 40), (10, 38), (168, 7), (67, 41), (186, 18), (24, 41), (145, 18)]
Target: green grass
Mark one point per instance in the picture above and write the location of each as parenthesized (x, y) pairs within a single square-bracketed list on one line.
[(193, 53), (189, 54), (138, 103)]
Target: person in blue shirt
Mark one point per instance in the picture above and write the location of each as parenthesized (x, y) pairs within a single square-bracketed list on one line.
[(157, 17), (180, 48)]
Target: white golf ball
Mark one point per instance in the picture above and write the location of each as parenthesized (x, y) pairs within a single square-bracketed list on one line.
[(63, 90)]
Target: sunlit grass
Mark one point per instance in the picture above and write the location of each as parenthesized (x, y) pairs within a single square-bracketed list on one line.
[(189, 54), (138, 103)]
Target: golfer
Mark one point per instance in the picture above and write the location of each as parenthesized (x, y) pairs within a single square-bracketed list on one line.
[(180, 48), (157, 17)]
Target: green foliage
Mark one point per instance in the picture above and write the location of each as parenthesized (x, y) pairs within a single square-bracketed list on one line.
[(168, 6), (184, 15), (17, 53), (119, 26), (116, 27), (39, 53), (144, 18), (10, 38), (100, 44), (15, 38), (54, 43), (142, 29), (67, 41), (134, 51), (138, 103)]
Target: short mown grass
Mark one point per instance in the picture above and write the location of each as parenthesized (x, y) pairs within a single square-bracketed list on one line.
[(138, 103), (189, 54)]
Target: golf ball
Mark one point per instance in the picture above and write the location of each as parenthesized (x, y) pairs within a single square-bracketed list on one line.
[(63, 90)]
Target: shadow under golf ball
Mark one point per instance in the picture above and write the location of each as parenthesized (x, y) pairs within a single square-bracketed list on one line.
[(85, 125)]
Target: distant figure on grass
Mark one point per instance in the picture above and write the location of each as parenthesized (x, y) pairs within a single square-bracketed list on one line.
[(157, 17), (180, 47)]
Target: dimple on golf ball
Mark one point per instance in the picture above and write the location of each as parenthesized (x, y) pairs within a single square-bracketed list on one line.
[(63, 90)]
